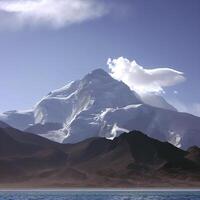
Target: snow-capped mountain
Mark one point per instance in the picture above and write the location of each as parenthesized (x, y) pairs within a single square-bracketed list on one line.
[(99, 105), (95, 92), (80, 104)]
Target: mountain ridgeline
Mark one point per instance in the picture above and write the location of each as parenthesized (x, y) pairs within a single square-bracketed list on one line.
[(130, 160)]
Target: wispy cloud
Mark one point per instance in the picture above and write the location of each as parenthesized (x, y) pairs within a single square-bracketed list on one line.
[(143, 80), (53, 13)]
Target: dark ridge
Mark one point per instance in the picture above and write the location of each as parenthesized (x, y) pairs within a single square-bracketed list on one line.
[(194, 154), (128, 160)]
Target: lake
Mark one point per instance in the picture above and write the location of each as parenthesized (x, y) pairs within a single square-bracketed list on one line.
[(99, 195)]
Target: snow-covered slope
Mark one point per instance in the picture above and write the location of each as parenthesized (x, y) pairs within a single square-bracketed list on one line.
[(79, 104), (99, 105), (156, 100), (180, 129), (94, 92)]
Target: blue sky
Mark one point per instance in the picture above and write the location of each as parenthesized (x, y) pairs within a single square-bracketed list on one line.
[(39, 53)]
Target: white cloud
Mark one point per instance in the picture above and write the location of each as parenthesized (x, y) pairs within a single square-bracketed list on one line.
[(54, 13), (143, 80)]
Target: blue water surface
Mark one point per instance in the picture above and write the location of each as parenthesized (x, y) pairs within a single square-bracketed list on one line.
[(99, 195)]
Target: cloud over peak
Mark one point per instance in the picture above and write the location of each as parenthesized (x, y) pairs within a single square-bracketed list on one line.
[(54, 13), (141, 79)]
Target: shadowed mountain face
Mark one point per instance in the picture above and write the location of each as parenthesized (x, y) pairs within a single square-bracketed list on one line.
[(130, 160)]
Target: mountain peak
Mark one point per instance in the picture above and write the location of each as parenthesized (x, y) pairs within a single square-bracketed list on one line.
[(99, 71), (98, 74)]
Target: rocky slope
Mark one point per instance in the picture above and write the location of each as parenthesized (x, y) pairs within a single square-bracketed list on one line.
[(130, 160)]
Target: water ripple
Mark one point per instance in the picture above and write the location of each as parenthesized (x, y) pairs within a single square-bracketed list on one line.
[(116, 195)]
